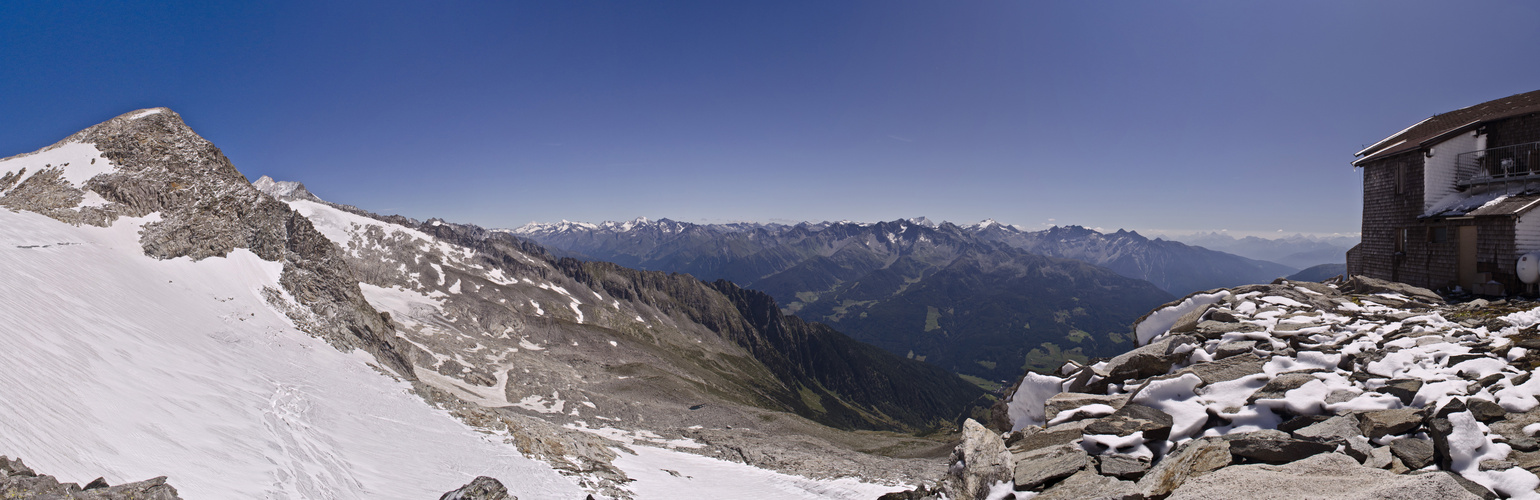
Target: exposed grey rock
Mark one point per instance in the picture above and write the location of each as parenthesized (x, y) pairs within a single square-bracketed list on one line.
[(1271, 449), (1415, 453), (1455, 405), (1496, 465), (1195, 458), (977, 464), (1223, 315), (921, 493), (1146, 361), (1301, 421), (14, 467), (1405, 389), (1088, 485), (1234, 348), (1041, 467), (1279, 385), (1215, 329), (1122, 466), (1365, 285), (1484, 410), (1342, 430), (1341, 395), (1358, 447), (1379, 458), (1070, 400), (1061, 434), (1339, 428), (1524, 443), (1470, 486), (1438, 429), (481, 488), (1375, 424), (19, 481), (1227, 369), (1189, 322), (1327, 475), (1131, 418)]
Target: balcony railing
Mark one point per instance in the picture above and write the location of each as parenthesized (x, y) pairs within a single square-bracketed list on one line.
[(1519, 163)]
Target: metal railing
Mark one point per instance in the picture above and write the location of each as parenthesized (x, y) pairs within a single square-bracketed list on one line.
[(1519, 163)]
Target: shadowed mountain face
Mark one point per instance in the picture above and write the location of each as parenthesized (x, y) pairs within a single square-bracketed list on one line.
[(935, 293)]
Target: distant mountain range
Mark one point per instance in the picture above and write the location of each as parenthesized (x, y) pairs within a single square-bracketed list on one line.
[(1174, 267), (1296, 251), (982, 300)]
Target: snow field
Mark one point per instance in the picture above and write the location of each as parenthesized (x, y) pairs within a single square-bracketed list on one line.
[(126, 367)]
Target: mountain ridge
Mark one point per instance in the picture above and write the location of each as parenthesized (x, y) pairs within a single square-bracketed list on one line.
[(890, 283)]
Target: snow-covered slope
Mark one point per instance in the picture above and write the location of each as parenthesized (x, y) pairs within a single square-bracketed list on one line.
[(124, 366)]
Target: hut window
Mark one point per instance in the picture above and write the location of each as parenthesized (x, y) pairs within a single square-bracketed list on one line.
[(1438, 234)]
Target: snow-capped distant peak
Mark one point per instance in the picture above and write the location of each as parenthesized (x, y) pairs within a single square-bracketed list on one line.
[(283, 190), (986, 224), (922, 221)]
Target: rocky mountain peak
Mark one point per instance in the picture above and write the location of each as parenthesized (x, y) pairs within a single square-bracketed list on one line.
[(150, 162)]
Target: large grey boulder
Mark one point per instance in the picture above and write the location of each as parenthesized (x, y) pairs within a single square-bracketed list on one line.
[(152, 489), (1404, 389), (1066, 401), (1276, 450), (1062, 434), (1197, 457), (1088, 485), (978, 463), (1227, 369), (481, 488), (1122, 466), (1415, 453), (1147, 361), (1234, 348), (1278, 386), (1131, 418), (1376, 424), (1485, 411), (1041, 467), (1340, 430), (1323, 476), (1364, 285)]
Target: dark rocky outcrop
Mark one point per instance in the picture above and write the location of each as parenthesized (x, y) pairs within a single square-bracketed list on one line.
[(19, 481), (481, 488)]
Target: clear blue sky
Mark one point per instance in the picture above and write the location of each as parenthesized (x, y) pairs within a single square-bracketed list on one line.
[(1175, 116)]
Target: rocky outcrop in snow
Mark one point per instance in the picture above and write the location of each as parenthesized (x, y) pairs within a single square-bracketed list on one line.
[(150, 162), (481, 488), (1356, 389), (19, 481)]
